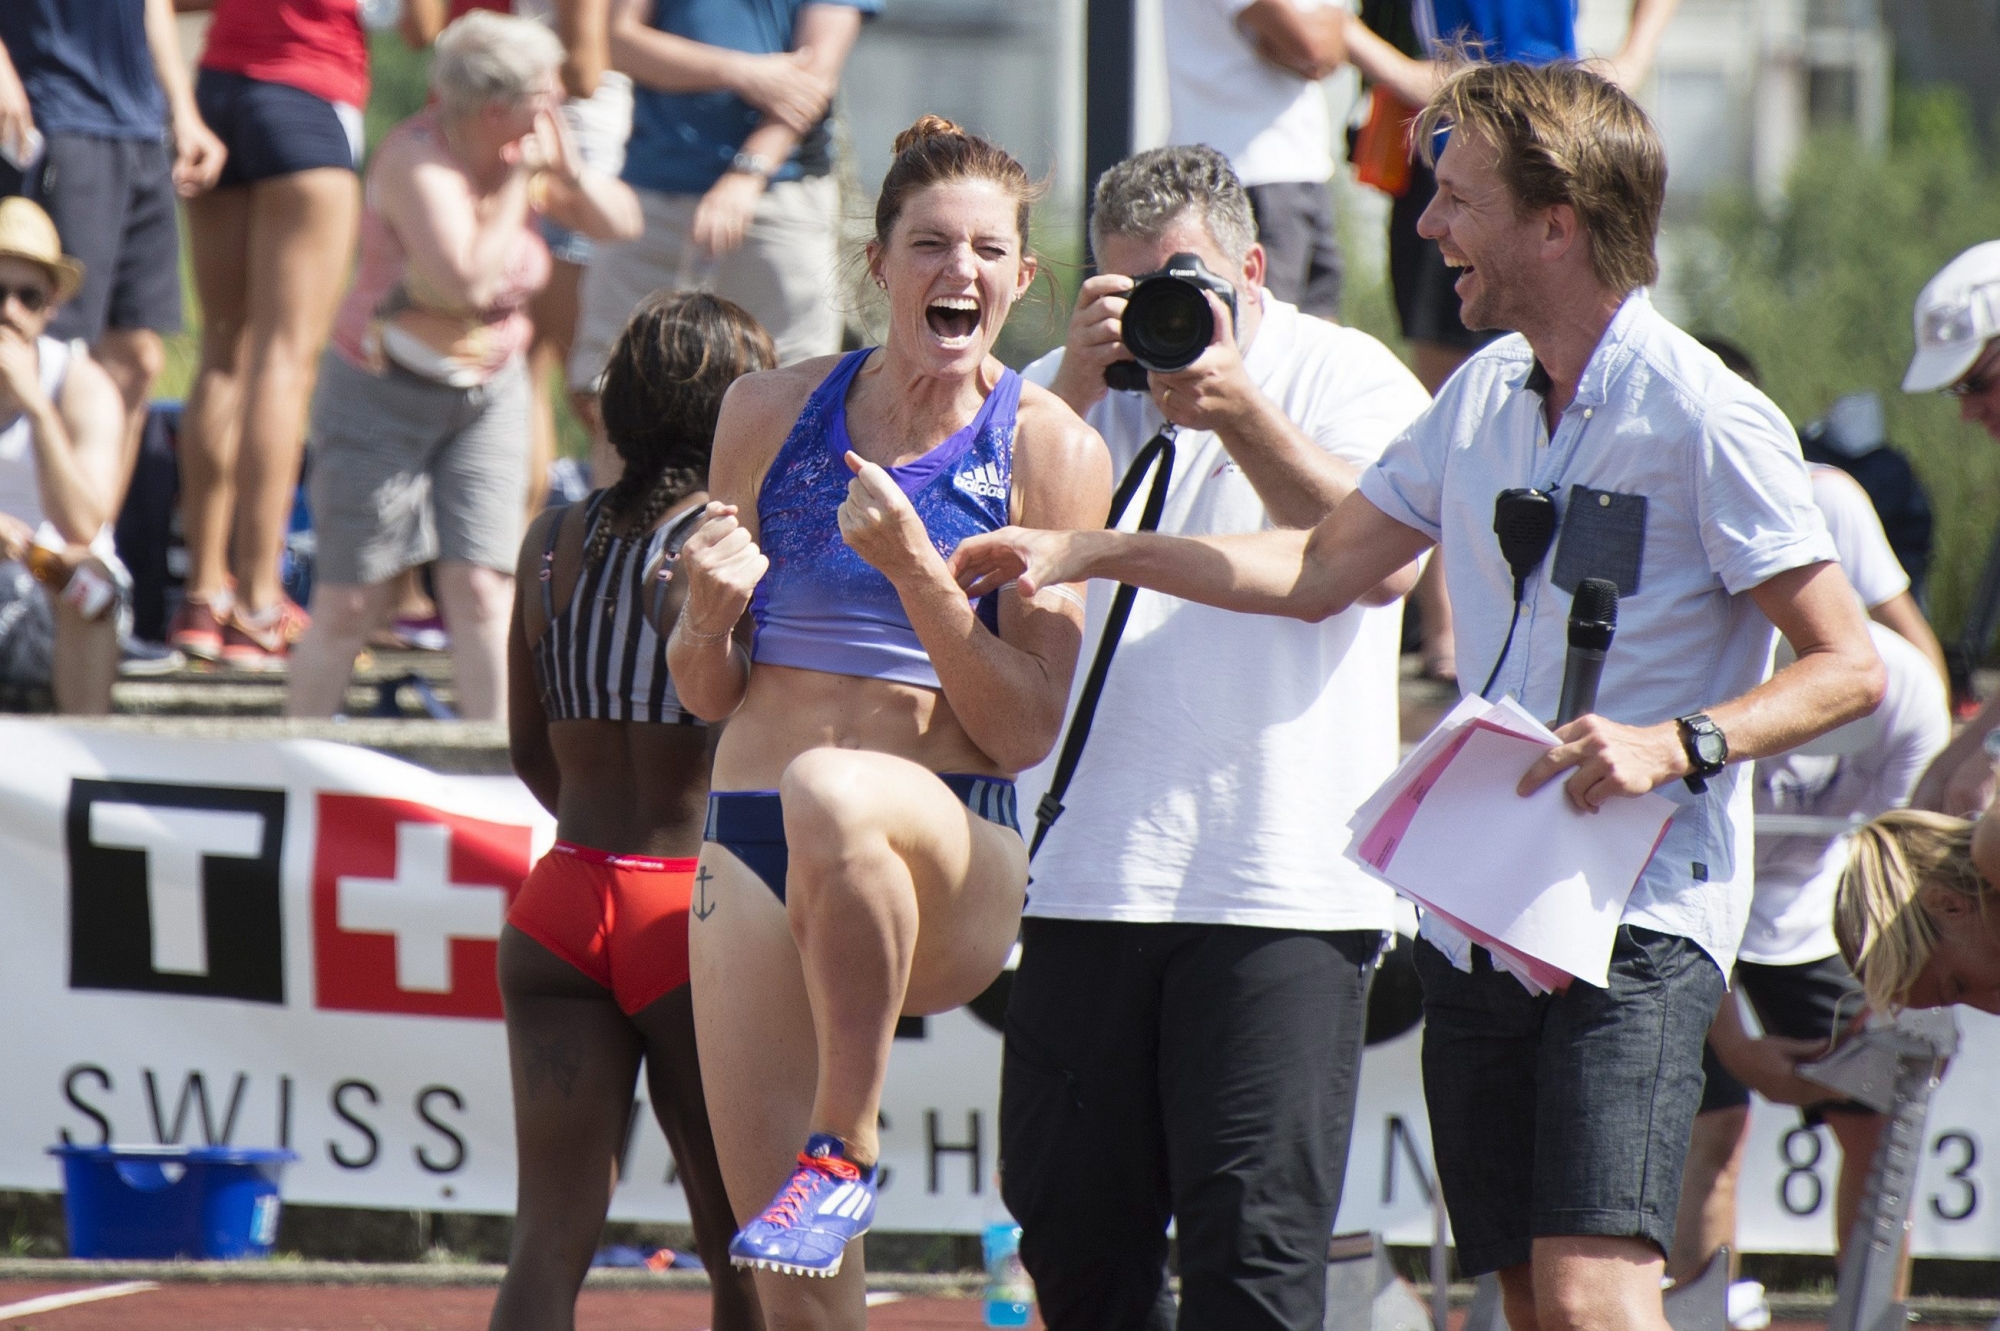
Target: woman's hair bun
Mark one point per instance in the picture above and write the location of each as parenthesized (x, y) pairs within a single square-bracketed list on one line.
[(927, 127)]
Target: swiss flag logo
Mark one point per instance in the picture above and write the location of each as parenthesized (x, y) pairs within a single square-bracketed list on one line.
[(407, 906)]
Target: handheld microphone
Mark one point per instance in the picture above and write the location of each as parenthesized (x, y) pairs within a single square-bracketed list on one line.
[(1593, 618)]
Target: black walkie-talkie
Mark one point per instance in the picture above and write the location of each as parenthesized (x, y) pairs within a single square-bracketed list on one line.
[(1525, 522)]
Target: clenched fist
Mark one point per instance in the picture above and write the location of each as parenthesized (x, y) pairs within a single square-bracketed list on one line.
[(723, 566)]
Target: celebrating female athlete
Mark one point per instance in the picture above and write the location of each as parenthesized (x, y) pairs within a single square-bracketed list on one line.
[(862, 858)]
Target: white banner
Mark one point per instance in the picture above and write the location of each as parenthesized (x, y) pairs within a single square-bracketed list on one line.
[(291, 943)]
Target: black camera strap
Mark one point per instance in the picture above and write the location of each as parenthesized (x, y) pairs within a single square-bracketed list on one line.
[(1161, 448)]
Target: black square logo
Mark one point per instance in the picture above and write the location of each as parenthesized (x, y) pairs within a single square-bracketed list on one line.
[(175, 889)]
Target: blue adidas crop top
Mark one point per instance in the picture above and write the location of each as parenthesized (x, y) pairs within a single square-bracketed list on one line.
[(821, 606)]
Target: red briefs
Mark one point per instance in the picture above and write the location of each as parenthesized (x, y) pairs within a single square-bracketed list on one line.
[(620, 919)]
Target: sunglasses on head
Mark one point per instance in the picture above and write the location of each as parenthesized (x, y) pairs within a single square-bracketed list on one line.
[(33, 299)]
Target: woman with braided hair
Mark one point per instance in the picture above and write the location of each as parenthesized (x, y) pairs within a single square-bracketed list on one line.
[(1917, 916), (594, 959)]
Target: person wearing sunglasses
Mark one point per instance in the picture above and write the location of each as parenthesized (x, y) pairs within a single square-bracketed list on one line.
[(1958, 354), (61, 429)]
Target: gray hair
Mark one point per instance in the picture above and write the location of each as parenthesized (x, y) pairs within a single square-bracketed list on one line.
[(488, 57), (1146, 193)]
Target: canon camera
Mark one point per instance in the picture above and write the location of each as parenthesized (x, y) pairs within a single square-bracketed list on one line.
[(1168, 321)]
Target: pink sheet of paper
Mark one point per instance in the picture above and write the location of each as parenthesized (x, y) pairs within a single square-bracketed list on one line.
[(1549, 977), (1378, 847)]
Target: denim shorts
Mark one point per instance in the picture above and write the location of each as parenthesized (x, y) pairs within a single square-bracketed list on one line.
[(1565, 1114)]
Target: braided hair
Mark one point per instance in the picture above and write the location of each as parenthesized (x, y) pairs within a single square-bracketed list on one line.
[(662, 393)]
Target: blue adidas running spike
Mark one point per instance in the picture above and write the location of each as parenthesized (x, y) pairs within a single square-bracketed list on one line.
[(827, 1203)]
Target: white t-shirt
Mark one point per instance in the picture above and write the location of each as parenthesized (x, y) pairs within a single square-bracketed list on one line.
[(1229, 750), (1865, 768), (20, 479), (1865, 555), (1272, 125)]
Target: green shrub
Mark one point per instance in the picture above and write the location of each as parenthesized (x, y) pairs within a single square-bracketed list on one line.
[(1820, 294)]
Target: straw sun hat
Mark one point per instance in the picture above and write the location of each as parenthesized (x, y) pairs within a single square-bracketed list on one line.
[(27, 233)]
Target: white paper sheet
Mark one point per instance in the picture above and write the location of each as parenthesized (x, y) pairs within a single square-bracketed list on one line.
[(1536, 873)]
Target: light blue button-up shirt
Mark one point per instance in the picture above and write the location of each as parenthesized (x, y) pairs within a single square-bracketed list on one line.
[(1722, 503)]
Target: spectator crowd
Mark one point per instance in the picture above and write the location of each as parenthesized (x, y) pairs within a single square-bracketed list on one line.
[(379, 336), (378, 331)]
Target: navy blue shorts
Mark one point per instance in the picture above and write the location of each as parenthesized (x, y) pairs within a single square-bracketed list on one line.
[(1565, 1114), (750, 824), (271, 129)]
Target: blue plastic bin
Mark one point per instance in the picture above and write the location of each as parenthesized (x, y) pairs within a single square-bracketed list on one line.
[(214, 1202)]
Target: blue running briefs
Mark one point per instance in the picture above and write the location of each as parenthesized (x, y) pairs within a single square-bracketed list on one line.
[(750, 824)]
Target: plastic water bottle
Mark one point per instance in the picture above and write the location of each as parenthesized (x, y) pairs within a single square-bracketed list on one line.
[(1010, 1296)]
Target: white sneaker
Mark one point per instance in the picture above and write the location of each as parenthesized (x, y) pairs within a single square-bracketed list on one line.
[(1746, 1308)]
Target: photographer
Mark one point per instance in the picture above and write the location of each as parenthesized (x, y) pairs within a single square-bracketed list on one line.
[(1559, 1121), (1184, 1036)]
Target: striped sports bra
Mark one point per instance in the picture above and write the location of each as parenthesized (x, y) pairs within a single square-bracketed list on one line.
[(603, 657), (821, 606)]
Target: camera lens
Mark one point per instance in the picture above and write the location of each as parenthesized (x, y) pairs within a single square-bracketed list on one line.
[(1167, 323)]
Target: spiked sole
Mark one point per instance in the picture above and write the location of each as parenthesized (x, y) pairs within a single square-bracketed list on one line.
[(787, 1268)]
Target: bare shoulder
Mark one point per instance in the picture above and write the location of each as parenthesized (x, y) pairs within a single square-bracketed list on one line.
[(773, 397), (758, 413), (1062, 470), (88, 395), (1051, 435)]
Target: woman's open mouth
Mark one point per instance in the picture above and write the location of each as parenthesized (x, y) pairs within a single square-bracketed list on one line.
[(953, 319)]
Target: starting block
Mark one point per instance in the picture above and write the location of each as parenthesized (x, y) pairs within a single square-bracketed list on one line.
[(1894, 1069)]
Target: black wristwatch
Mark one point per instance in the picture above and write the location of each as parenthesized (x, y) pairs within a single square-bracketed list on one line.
[(1707, 748)]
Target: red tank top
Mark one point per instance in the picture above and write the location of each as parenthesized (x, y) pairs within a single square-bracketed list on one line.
[(316, 46)]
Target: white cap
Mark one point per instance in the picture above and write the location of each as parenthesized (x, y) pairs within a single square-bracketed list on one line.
[(1958, 312)]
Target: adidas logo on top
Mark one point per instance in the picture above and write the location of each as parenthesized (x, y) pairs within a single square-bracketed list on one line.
[(982, 482)]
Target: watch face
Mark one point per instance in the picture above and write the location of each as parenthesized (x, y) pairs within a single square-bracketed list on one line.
[(1710, 747)]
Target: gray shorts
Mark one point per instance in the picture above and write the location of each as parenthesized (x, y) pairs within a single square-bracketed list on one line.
[(785, 273), (1302, 262), (406, 470), (1565, 1114)]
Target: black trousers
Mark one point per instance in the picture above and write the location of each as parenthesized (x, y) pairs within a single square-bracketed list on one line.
[(1200, 1073)]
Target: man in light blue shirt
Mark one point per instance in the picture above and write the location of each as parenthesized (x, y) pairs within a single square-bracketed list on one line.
[(1559, 1122)]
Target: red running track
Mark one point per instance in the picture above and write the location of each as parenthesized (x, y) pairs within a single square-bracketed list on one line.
[(265, 1307)]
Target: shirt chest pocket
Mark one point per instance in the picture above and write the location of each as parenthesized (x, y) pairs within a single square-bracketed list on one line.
[(1603, 536)]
